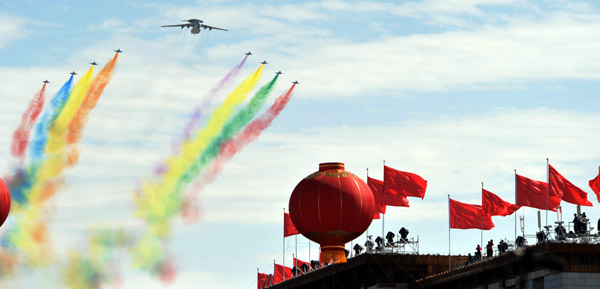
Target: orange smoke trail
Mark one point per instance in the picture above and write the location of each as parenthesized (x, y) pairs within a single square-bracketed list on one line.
[(91, 99)]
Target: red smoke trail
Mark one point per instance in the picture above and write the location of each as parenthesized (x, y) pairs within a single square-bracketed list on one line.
[(250, 133), (21, 134)]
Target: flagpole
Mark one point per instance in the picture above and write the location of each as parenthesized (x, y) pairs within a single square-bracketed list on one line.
[(283, 243), (547, 187), (482, 213), (309, 250), (296, 250), (383, 201), (449, 240), (516, 206), (293, 258)]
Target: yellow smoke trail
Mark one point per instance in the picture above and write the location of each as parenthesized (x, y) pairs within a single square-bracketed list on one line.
[(91, 99), (158, 202), (53, 165), (31, 232)]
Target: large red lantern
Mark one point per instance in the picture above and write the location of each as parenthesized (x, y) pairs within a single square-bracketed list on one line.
[(4, 202), (332, 207)]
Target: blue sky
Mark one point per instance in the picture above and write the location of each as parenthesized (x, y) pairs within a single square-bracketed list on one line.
[(459, 92)]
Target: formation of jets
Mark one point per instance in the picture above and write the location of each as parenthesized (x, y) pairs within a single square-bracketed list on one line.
[(196, 25)]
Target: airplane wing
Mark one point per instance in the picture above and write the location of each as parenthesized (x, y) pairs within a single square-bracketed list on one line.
[(212, 27), (178, 25)]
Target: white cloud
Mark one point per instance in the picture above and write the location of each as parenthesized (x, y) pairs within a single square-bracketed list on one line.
[(13, 28), (549, 46)]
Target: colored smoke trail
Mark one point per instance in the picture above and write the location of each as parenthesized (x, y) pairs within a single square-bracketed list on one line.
[(96, 266), (157, 201), (55, 147), (31, 225), (43, 182), (23, 178), (21, 134), (232, 127), (151, 253), (248, 135), (37, 145), (89, 103), (199, 111), (42, 177)]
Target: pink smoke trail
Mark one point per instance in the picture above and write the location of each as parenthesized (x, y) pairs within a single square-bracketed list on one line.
[(250, 133), (191, 124), (21, 134)]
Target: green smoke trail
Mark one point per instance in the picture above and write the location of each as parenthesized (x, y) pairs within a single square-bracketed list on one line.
[(231, 128)]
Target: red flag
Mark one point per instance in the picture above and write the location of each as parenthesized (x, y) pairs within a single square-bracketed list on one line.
[(559, 185), (288, 227), (279, 272), (495, 206), (595, 185), (298, 263), (376, 187), (532, 193), (403, 183), (467, 216), (262, 281)]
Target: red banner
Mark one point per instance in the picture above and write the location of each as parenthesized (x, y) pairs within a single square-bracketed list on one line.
[(532, 193), (263, 281), (288, 227), (493, 205), (595, 185), (467, 216), (389, 199), (559, 185), (280, 271), (403, 183), (298, 264)]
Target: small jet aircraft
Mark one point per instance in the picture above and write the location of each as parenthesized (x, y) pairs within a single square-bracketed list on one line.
[(46, 81), (278, 72), (296, 82), (196, 25), (93, 63), (248, 53), (73, 73), (264, 62), (118, 50)]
